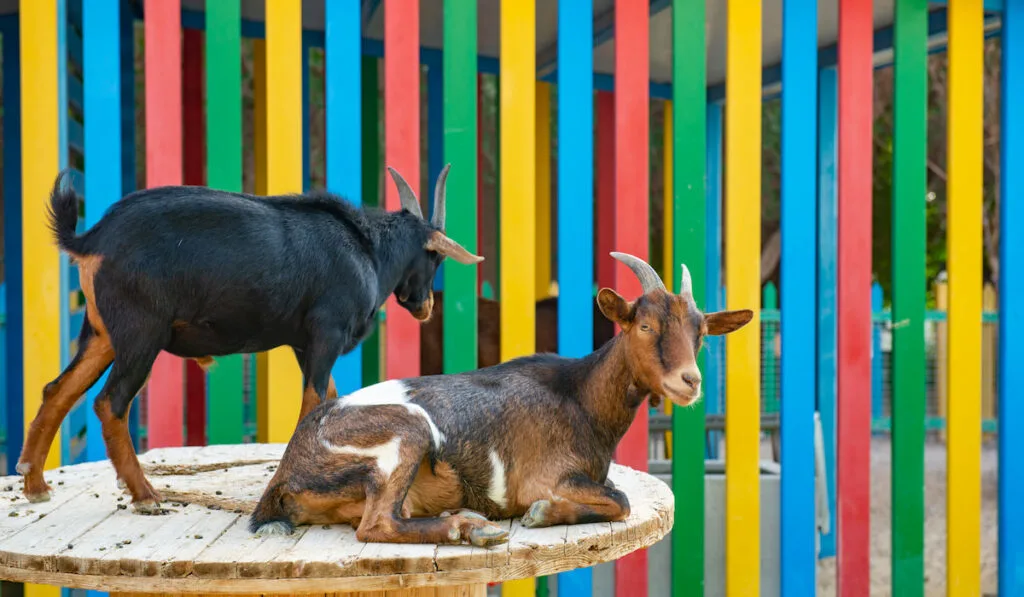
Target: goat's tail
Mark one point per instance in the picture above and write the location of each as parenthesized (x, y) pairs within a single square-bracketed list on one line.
[(63, 214), (270, 516)]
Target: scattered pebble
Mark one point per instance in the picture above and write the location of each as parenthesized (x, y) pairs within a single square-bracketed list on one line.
[(9, 488), (198, 536), (71, 545), (95, 495), (60, 482), (122, 507), (13, 514), (218, 492)]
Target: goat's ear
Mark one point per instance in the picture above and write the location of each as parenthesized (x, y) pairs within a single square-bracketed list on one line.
[(445, 246), (724, 322), (616, 308)]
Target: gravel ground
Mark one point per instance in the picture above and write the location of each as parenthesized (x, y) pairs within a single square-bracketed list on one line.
[(935, 522)]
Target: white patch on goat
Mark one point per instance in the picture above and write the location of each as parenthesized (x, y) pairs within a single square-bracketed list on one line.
[(496, 488), (386, 454), (390, 393)]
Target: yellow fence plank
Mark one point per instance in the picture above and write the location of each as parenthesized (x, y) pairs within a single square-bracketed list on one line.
[(964, 250), (742, 283)]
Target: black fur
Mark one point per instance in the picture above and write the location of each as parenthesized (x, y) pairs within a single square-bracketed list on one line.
[(200, 272)]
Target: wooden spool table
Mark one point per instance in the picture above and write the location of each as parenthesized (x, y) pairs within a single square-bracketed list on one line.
[(87, 536)]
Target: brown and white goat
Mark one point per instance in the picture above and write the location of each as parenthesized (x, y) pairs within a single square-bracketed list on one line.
[(531, 437)]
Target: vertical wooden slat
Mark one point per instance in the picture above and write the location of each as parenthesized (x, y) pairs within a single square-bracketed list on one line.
[(284, 149), (909, 175), (854, 295), (516, 206), (632, 63), (372, 172), (742, 285), (798, 288), (193, 158), (101, 91), (12, 244), (165, 389), (1011, 318), (344, 125), (575, 179), (401, 152), (827, 238), (461, 135), (224, 171), (964, 257), (714, 360), (686, 234), (542, 269), (40, 282), (605, 158)]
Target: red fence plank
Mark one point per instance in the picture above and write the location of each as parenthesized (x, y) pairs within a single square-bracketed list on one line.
[(401, 152), (632, 23), (194, 158), (165, 391), (854, 296)]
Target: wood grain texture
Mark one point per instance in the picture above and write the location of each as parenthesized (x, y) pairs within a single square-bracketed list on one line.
[(85, 538)]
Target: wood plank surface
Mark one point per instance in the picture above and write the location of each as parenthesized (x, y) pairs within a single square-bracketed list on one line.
[(88, 536)]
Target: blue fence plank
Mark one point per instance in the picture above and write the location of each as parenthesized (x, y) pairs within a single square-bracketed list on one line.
[(435, 141), (1011, 322), (715, 294), (14, 332), (827, 254), (575, 208), (799, 275), (101, 30), (343, 64)]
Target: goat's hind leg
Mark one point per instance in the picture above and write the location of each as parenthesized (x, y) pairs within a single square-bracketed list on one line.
[(578, 500), (132, 365), (384, 521), (92, 359)]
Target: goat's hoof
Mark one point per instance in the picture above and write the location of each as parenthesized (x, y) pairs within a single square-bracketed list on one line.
[(149, 507), (536, 516), (121, 484), (36, 497), (454, 534), (488, 535)]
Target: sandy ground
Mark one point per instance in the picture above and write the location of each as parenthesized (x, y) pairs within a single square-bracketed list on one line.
[(935, 522)]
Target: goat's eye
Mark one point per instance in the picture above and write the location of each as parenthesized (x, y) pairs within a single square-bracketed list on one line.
[(644, 327)]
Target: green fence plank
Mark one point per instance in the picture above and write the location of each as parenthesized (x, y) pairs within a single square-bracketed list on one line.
[(460, 127), (689, 212), (224, 171), (909, 285), (372, 173), (769, 376)]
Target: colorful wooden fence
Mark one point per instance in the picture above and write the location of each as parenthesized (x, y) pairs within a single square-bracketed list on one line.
[(68, 88)]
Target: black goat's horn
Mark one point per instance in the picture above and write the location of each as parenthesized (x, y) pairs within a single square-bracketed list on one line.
[(440, 190), (649, 279), (406, 194)]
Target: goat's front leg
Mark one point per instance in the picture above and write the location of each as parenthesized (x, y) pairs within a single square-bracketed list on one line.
[(313, 368), (578, 500)]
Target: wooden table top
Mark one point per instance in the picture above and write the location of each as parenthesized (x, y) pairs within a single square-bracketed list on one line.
[(88, 536)]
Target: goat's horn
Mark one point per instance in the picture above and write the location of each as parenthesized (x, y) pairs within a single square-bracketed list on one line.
[(686, 283), (405, 193), (649, 279), (440, 189)]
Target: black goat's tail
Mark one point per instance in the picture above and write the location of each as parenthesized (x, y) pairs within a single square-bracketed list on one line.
[(270, 516), (63, 214)]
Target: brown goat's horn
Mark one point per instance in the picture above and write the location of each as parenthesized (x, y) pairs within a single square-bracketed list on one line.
[(686, 282), (649, 279), (440, 189), (406, 194)]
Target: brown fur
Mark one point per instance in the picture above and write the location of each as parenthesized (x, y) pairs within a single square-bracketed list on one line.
[(554, 424), (122, 455)]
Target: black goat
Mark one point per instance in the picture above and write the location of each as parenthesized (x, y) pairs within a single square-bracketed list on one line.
[(200, 273)]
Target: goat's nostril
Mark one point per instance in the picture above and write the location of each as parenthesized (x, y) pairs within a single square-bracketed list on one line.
[(691, 380)]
